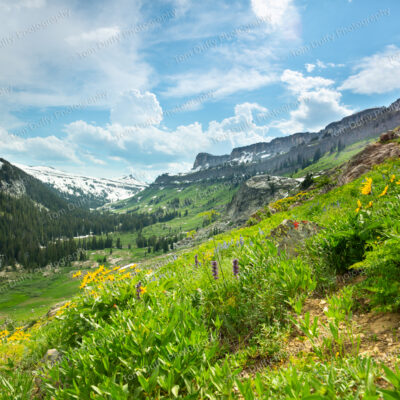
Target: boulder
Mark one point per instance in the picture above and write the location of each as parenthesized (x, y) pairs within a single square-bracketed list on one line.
[(52, 356), (53, 310), (257, 192), (388, 136), (290, 235)]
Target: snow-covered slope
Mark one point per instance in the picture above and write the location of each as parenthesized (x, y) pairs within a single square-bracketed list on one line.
[(95, 191)]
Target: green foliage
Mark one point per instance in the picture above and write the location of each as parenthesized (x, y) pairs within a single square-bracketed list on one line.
[(307, 182), (209, 216), (189, 335), (268, 283), (382, 266), (339, 246), (341, 379)]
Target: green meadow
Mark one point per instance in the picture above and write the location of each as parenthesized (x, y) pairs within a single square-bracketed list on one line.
[(276, 326)]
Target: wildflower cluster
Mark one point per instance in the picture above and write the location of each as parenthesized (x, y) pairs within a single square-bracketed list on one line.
[(285, 203), (103, 275), (19, 335), (140, 290), (4, 334), (61, 310), (366, 189)]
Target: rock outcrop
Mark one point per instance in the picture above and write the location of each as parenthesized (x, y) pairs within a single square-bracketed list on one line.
[(290, 236), (257, 192)]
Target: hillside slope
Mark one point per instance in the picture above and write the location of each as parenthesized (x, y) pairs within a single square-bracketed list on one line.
[(235, 317)]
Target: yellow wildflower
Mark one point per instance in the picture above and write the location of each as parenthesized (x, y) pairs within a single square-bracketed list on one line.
[(79, 273), (125, 276), (143, 289), (366, 186), (370, 204), (393, 177), (4, 333), (150, 272), (384, 191), (19, 335), (359, 206)]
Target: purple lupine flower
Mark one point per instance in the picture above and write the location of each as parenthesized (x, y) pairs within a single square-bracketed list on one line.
[(196, 261), (235, 267), (138, 291), (241, 240), (214, 269)]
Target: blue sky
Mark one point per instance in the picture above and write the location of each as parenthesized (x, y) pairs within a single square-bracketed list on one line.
[(106, 88)]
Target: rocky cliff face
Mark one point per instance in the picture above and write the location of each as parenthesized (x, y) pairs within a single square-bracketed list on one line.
[(257, 192), (206, 160), (286, 154), (257, 152)]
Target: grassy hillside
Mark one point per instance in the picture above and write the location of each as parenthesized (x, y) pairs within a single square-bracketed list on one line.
[(194, 197), (331, 160), (190, 202), (320, 325), (20, 302)]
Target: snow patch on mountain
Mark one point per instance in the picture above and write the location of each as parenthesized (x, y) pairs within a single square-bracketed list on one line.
[(101, 189)]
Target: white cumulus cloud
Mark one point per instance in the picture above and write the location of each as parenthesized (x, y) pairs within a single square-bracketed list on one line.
[(319, 103), (134, 108), (376, 74)]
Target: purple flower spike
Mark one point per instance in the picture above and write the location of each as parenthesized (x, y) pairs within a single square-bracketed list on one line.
[(214, 269), (235, 267), (196, 261), (138, 291)]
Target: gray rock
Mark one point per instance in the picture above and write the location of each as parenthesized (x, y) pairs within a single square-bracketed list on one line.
[(55, 308), (52, 356), (257, 192), (290, 235)]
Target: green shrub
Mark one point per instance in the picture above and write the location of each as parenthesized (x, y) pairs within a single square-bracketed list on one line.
[(266, 286)]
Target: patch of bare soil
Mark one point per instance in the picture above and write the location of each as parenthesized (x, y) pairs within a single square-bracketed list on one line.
[(379, 333)]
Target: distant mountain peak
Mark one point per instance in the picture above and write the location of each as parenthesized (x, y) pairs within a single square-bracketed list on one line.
[(95, 191)]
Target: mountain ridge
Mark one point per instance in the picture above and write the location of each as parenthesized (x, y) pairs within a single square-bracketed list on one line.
[(286, 155), (283, 144), (88, 191)]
